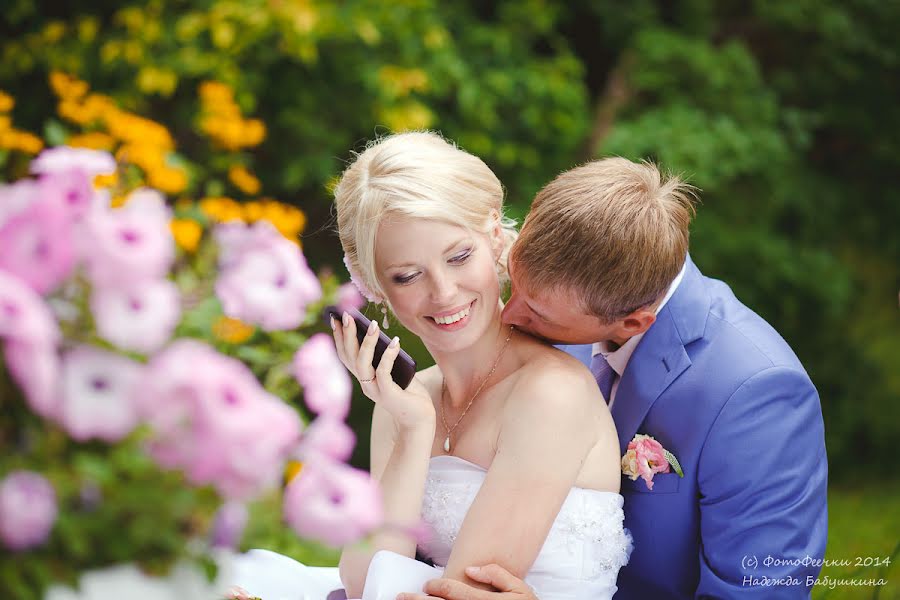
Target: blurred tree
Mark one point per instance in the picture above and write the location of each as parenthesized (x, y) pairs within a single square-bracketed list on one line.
[(784, 114)]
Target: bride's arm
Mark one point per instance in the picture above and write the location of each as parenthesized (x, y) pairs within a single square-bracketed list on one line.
[(399, 461), (548, 428)]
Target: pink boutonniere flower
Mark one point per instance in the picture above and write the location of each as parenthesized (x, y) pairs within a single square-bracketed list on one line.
[(646, 457)]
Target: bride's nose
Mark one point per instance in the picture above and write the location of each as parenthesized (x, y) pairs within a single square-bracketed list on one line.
[(443, 287)]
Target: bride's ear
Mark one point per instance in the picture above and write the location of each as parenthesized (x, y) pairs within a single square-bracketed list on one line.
[(498, 239)]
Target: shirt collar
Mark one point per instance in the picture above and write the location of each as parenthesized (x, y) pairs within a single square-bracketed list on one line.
[(618, 358)]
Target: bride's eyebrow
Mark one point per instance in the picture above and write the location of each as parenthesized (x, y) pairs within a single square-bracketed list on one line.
[(446, 250)]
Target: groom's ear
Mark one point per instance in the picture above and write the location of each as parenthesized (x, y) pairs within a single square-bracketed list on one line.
[(638, 322)]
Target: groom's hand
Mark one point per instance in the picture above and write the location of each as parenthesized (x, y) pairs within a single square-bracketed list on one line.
[(508, 586)]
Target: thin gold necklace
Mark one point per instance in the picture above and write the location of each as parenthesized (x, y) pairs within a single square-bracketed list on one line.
[(449, 429)]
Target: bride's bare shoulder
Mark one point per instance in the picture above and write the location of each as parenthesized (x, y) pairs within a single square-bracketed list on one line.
[(541, 361)]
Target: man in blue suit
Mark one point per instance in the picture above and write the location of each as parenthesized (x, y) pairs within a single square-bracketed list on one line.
[(602, 268)]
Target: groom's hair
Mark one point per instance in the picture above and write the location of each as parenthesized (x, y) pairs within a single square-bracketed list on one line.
[(612, 231)]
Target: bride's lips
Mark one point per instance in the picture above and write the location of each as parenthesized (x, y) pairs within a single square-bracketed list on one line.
[(452, 326)]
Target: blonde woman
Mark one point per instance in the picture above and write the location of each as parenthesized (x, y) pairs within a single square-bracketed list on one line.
[(505, 447)]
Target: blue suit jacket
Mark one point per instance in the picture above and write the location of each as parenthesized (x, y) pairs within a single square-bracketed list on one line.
[(720, 389)]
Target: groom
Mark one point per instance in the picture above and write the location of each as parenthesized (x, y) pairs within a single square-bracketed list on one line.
[(602, 266)]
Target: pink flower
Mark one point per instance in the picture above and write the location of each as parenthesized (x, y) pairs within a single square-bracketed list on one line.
[(264, 277), (125, 245), (98, 394), (36, 369), (645, 458), (326, 385), (27, 510), (357, 281), (348, 297), (211, 419), (31, 335), (17, 197), (71, 192), (329, 437), (333, 503), (24, 316), (64, 158), (140, 317), (228, 525), (36, 245)]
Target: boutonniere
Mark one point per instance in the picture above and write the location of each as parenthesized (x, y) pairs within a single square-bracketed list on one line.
[(239, 593), (646, 457)]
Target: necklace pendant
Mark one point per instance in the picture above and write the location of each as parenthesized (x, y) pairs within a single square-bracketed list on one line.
[(447, 444)]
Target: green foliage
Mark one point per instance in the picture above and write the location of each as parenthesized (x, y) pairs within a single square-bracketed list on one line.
[(784, 113)]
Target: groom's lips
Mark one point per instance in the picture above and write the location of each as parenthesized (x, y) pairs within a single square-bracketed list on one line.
[(453, 326)]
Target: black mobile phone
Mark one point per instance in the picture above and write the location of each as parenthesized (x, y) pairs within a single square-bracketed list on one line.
[(404, 366)]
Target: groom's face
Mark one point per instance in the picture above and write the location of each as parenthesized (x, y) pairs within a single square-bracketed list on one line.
[(556, 316)]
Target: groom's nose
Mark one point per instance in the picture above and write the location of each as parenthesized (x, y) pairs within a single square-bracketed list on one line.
[(515, 312)]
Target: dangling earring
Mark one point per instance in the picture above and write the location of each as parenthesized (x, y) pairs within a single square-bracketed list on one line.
[(384, 319)]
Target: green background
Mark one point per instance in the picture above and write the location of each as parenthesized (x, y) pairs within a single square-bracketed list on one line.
[(784, 114)]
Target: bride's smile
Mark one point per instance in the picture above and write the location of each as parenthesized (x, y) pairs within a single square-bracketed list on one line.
[(440, 280), (452, 320)]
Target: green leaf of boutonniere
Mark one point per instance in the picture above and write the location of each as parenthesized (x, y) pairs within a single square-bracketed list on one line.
[(676, 466)]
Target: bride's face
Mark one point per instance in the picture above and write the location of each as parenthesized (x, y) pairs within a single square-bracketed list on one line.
[(440, 279)]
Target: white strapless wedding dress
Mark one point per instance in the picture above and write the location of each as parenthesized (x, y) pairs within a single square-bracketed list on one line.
[(580, 559)]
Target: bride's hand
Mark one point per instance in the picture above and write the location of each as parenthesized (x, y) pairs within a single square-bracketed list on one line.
[(412, 408)]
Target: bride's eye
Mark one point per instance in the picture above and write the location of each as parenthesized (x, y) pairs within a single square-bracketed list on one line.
[(461, 258), (404, 279)]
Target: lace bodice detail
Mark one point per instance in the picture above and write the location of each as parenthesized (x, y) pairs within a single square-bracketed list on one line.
[(584, 550)]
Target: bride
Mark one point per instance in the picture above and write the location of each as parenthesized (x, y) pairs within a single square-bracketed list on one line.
[(505, 447)]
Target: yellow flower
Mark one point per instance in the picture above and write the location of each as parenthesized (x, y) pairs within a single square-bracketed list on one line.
[(74, 112), (408, 116), (54, 31), (291, 470), (214, 92), (30, 143), (153, 80), (147, 157), (244, 180), (118, 201), (629, 465), (221, 209), (99, 106), (6, 102), (399, 82), (288, 220), (168, 179), (187, 233), (254, 132), (5, 123), (132, 128), (94, 140), (253, 211), (66, 86), (106, 181), (232, 331), (14, 139)]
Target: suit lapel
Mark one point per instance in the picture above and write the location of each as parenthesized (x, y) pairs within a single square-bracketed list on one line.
[(657, 361), (661, 356)]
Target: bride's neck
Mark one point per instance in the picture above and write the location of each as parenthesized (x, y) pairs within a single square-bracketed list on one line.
[(465, 371)]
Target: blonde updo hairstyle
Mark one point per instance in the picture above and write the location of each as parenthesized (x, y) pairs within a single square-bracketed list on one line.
[(420, 175)]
